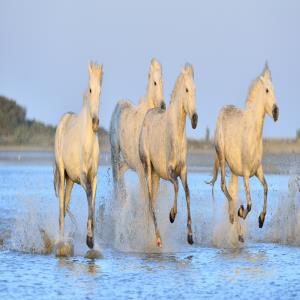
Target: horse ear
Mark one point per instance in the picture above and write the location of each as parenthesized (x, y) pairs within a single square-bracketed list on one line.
[(155, 65), (266, 73), (188, 69)]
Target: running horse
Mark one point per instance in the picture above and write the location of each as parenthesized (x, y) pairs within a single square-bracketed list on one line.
[(239, 143), (77, 154), (163, 145)]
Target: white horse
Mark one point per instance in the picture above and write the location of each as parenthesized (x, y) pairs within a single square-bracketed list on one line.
[(125, 127), (239, 143), (163, 145), (77, 153)]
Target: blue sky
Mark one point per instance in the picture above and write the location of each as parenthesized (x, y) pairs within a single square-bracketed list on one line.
[(46, 46)]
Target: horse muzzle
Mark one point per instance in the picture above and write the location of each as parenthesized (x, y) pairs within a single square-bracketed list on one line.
[(162, 105), (275, 112), (194, 120), (95, 124)]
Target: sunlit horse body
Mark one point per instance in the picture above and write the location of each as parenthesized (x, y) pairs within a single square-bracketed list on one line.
[(77, 153), (238, 142), (163, 145), (125, 127)]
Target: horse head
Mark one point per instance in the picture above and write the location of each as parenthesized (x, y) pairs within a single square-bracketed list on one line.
[(155, 85), (188, 91), (93, 93), (271, 107)]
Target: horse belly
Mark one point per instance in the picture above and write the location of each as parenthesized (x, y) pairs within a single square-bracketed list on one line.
[(234, 162), (72, 166)]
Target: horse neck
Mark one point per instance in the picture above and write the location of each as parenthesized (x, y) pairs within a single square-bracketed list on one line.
[(85, 118), (145, 103), (177, 114), (255, 113), (148, 100)]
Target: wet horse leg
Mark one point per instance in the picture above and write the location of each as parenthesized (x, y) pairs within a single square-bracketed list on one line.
[(261, 177), (173, 210), (155, 186), (242, 212), (88, 189), (61, 192), (183, 177), (69, 186), (148, 172), (233, 190), (94, 189), (224, 187)]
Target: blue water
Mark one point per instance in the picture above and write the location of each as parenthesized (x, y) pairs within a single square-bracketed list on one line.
[(216, 266)]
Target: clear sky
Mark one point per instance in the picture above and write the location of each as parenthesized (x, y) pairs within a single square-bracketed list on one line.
[(45, 47)]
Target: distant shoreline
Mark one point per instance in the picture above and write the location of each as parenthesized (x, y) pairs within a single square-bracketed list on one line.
[(197, 161), (271, 146)]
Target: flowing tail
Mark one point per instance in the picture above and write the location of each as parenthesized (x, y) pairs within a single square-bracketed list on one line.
[(215, 176)]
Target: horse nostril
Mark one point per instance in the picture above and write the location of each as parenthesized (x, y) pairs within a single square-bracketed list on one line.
[(275, 112), (194, 120), (163, 105), (95, 121)]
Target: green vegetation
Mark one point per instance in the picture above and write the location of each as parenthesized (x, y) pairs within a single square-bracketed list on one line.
[(16, 130)]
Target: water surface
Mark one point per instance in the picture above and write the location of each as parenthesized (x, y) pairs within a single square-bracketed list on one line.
[(216, 266)]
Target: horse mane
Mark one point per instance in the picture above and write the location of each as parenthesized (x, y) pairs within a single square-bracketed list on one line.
[(188, 69), (254, 84), (175, 89)]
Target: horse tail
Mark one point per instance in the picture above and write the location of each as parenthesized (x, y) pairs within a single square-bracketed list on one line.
[(114, 140), (56, 181), (215, 176)]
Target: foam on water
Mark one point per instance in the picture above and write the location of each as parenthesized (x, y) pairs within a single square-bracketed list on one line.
[(284, 225)]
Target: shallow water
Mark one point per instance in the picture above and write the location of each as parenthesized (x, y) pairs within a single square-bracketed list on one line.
[(216, 266)]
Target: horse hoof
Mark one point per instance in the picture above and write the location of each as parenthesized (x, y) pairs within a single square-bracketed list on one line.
[(90, 242), (241, 238), (261, 220), (64, 249), (158, 242), (190, 239), (93, 254), (249, 207), (241, 211), (172, 216)]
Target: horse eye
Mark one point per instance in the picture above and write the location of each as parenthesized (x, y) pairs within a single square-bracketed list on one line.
[(187, 90), (267, 91), (155, 83), (90, 90)]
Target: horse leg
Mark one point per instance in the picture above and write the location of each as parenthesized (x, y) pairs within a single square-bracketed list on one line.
[(173, 210), (61, 192), (261, 177), (69, 186), (224, 187), (94, 189), (155, 186), (233, 189), (242, 212), (88, 189), (183, 177), (148, 172)]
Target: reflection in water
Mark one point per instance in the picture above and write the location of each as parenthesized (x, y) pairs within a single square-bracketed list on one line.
[(77, 267)]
